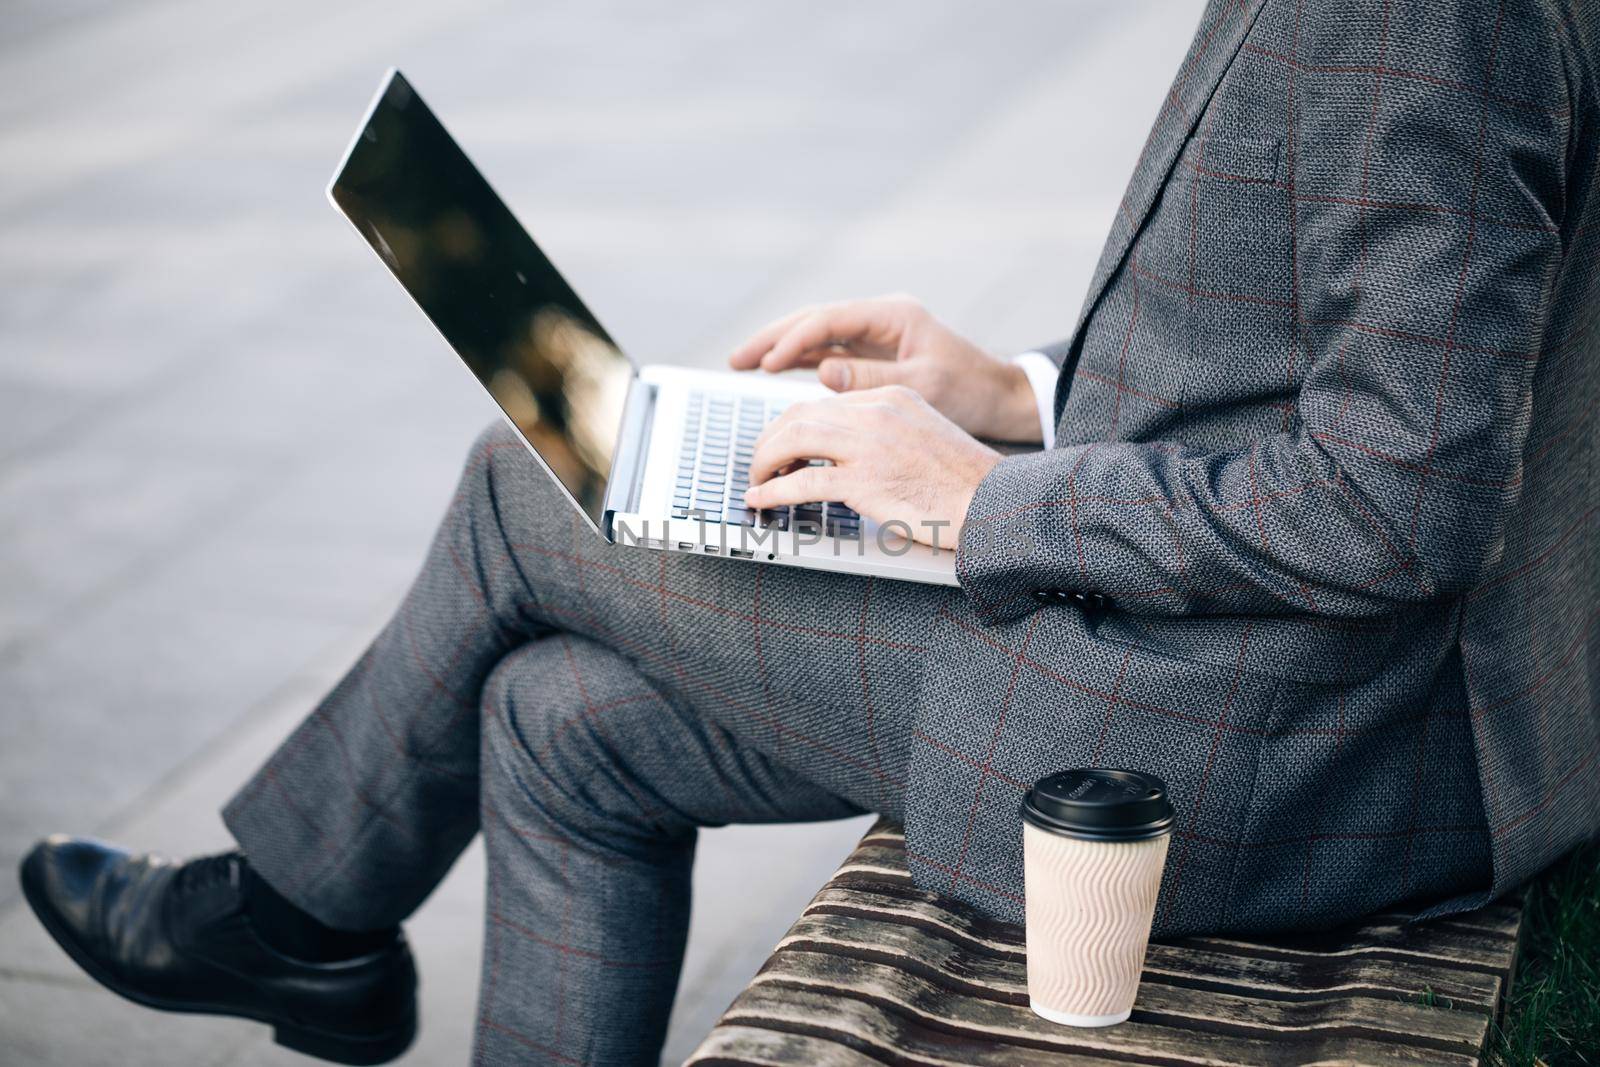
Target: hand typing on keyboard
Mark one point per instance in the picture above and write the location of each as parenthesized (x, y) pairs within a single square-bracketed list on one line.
[(866, 344), (891, 457), (719, 439)]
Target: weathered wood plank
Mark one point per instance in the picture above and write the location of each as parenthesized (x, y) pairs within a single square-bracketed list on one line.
[(1501, 918), (733, 1045), (1481, 940), (878, 857), (877, 1036), (884, 833), (1191, 964), (1383, 1020), (876, 970), (1443, 946), (1471, 938), (844, 897), (1241, 1007), (1274, 980), (913, 1012), (1517, 947), (880, 1035)]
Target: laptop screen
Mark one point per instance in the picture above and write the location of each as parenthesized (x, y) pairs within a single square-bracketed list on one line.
[(497, 300)]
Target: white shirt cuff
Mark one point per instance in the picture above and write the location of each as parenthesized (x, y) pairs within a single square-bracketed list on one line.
[(1042, 375)]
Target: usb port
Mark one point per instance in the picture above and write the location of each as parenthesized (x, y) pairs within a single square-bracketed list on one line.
[(685, 546), (710, 550)]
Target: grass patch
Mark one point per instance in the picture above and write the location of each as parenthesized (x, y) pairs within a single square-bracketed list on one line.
[(1431, 999), (1553, 1014)]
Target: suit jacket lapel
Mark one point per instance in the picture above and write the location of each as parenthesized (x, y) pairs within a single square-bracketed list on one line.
[(1222, 30)]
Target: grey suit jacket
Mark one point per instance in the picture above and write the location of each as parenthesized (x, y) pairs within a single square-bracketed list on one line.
[(1317, 541)]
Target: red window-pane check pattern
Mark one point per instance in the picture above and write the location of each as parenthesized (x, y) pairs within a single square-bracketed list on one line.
[(1337, 363)]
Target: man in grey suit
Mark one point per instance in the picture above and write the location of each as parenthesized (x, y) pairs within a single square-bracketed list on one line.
[(1312, 537)]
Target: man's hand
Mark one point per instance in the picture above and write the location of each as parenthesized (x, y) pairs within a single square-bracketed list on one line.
[(866, 344), (894, 458)]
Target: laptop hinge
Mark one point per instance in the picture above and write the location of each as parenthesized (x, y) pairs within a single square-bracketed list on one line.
[(626, 484)]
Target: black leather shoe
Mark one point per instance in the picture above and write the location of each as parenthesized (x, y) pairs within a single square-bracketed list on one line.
[(176, 937)]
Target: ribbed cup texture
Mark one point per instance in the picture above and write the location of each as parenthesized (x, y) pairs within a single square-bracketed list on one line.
[(1089, 906)]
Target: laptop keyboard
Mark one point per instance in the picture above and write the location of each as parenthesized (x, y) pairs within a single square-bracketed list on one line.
[(719, 437)]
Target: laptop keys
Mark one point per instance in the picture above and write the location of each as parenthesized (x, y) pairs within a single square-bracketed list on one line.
[(718, 445)]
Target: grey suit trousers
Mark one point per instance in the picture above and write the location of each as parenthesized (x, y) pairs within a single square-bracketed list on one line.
[(587, 707)]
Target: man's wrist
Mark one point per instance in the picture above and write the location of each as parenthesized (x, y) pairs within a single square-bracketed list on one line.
[(1041, 374), (1010, 410)]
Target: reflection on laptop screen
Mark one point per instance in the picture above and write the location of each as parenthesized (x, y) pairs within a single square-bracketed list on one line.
[(494, 296)]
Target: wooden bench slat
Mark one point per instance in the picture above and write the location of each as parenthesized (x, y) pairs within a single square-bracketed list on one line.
[(1271, 975), (1240, 1008), (883, 1036), (1006, 979), (847, 898), (910, 1013), (1381, 1019), (1285, 976), (1479, 939), (1442, 947), (733, 1045), (1498, 919), (877, 970), (1483, 943), (1273, 980), (876, 867)]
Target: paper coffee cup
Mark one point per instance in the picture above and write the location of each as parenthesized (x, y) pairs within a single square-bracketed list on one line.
[(1093, 846)]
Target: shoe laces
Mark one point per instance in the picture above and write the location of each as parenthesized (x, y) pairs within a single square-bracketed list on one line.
[(209, 872)]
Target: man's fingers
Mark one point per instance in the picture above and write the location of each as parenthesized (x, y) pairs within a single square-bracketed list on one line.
[(798, 440), (845, 374), (748, 355), (833, 411), (804, 486), (806, 342)]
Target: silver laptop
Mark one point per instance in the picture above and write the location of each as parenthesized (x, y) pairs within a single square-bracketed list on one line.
[(657, 456)]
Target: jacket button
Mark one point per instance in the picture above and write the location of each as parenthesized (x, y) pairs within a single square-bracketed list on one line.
[(1085, 601)]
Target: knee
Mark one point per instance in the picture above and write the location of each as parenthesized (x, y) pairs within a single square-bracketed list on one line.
[(501, 474), (484, 466), (493, 440), (567, 743), (486, 459)]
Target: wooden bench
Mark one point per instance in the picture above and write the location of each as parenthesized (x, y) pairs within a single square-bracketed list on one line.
[(877, 971)]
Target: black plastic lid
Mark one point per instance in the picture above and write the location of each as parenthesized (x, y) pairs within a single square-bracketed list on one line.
[(1100, 805)]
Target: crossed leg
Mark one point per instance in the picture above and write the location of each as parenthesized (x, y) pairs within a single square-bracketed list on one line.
[(590, 804), (589, 706)]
